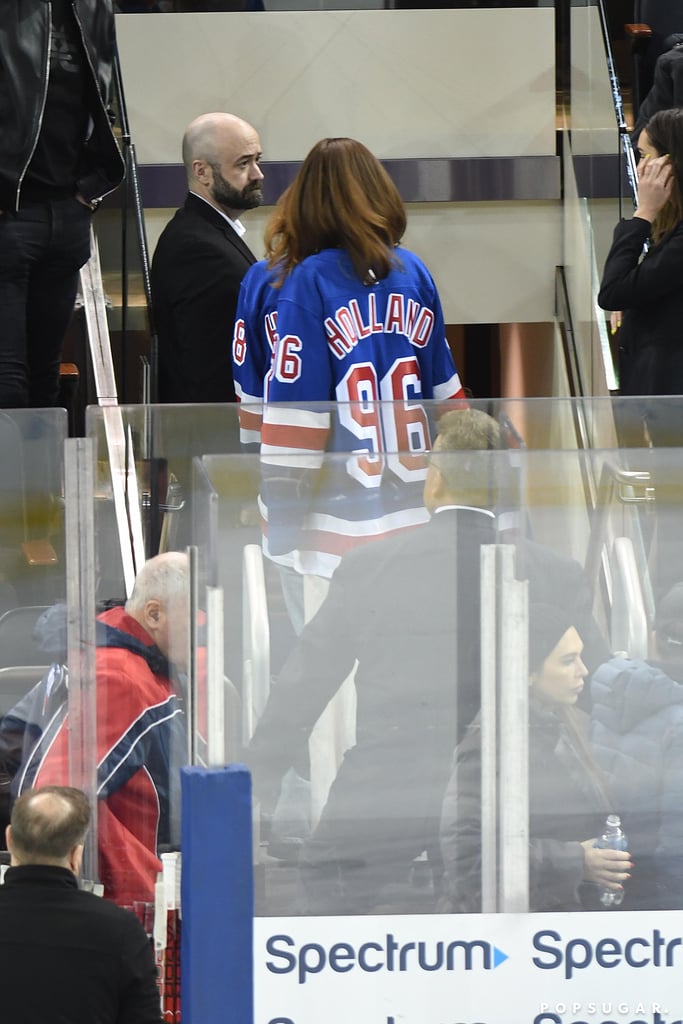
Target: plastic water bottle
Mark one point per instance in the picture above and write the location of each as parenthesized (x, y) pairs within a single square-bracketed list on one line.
[(613, 838)]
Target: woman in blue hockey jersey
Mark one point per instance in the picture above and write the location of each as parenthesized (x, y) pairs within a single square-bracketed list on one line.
[(359, 322), (355, 321)]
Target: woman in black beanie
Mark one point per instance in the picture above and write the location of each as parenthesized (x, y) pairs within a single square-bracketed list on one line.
[(567, 799)]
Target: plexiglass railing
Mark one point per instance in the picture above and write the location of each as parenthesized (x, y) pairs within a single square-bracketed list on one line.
[(420, 745)]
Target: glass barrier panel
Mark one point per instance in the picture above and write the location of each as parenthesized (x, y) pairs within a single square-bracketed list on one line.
[(303, 521), (32, 568), (392, 621), (358, 862), (32, 571), (355, 688)]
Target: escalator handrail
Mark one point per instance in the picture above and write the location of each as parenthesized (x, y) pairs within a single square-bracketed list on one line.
[(133, 180), (622, 126)]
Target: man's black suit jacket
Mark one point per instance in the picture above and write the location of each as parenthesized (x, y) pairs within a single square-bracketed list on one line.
[(198, 266)]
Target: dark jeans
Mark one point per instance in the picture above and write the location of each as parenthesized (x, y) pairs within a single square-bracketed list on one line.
[(42, 248)]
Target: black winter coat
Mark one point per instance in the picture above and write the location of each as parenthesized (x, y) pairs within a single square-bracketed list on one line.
[(70, 957), (650, 294), (565, 808)]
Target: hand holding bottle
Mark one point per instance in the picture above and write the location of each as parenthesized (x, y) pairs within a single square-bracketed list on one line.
[(605, 867), (609, 862)]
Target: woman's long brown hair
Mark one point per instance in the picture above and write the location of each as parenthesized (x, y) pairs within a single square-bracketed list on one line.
[(665, 132), (342, 197)]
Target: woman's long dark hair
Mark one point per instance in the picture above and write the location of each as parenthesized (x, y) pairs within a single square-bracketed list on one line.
[(665, 132), (548, 625), (573, 721)]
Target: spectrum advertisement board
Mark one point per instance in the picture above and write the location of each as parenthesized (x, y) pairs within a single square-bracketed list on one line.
[(592, 968)]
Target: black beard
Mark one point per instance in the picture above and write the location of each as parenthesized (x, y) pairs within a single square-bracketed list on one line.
[(231, 198)]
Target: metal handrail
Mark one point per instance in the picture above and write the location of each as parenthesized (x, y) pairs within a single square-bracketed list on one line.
[(628, 487), (133, 180), (118, 440), (622, 126), (150, 393)]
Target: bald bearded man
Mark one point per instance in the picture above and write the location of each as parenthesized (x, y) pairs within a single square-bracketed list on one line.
[(200, 260)]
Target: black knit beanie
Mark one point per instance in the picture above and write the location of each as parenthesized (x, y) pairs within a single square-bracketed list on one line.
[(547, 626)]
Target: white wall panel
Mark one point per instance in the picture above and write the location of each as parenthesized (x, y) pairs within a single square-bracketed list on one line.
[(407, 83), (492, 262), (457, 83)]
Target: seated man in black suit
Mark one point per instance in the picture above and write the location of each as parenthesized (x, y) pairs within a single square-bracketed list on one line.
[(66, 954), (407, 609), (200, 260)]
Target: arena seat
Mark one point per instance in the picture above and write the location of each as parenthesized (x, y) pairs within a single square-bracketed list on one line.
[(17, 645), (15, 683)]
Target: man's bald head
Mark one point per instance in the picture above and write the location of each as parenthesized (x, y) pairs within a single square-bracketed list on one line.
[(48, 826), (222, 154), (205, 136)]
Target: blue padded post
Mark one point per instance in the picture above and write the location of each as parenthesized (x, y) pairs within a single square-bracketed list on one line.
[(217, 894)]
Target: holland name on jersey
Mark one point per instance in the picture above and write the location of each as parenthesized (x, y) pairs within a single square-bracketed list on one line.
[(403, 316)]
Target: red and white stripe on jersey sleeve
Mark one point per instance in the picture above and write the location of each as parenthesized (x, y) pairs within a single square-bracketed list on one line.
[(250, 414), (294, 431), (450, 389)]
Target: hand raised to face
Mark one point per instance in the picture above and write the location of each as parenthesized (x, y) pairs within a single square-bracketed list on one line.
[(655, 185)]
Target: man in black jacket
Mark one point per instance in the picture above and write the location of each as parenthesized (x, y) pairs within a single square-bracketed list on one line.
[(200, 260), (66, 954), (58, 158)]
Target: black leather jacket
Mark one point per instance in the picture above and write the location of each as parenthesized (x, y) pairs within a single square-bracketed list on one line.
[(25, 27)]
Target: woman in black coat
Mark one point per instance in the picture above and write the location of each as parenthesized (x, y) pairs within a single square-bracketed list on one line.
[(567, 801), (645, 292)]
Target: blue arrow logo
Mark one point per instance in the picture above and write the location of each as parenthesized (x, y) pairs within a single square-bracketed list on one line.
[(499, 957)]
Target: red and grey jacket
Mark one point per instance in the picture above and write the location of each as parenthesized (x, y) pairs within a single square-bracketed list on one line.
[(141, 744)]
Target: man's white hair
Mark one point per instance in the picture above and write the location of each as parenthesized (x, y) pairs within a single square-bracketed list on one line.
[(163, 578)]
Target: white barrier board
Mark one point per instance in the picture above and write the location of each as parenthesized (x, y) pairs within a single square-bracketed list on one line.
[(592, 968)]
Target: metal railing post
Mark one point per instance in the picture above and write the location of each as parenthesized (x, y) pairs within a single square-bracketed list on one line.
[(80, 599)]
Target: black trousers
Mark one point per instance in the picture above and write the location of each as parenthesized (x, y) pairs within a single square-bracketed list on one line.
[(42, 248)]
